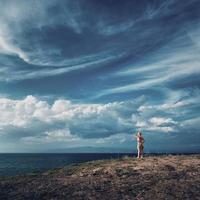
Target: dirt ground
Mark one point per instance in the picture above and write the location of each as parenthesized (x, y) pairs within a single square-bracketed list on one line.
[(159, 177)]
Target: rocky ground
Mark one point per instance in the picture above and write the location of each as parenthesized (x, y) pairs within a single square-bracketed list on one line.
[(159, 177)]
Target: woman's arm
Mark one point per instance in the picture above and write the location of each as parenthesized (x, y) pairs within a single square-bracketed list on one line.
[(135, 136)]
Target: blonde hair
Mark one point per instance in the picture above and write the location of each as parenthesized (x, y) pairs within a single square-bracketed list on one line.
[(139, 133)]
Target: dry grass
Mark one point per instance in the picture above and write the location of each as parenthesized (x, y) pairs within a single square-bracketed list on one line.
[(159, 177)]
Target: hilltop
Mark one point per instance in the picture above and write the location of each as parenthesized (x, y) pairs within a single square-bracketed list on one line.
[(154, 177)]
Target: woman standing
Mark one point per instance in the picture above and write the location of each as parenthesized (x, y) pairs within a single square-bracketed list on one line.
[(140, 144)]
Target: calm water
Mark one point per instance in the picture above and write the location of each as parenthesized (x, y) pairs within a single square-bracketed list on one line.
[(17, 164)]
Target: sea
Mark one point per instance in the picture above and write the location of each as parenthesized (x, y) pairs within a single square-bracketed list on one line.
[(12, 164)]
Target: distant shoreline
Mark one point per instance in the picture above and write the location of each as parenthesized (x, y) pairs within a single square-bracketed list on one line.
[(134, 153)]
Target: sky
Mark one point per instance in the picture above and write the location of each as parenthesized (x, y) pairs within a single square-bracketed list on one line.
[(90, 74)]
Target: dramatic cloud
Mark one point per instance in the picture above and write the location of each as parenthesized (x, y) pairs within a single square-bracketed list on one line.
[(91, 73), (82, 120), (36, 121)]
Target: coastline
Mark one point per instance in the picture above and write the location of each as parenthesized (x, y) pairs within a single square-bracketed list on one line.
[(154, 177), (13, 164)]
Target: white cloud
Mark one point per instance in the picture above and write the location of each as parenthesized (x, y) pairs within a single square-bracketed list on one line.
[(34, 121), (169, 64), (156, 126), (193, 123), (64, 119), (174, 104), (157, 78), (160, 11), (8, 48), (59, 135), (175, 113), (164, 129), (112, 29), (158, 121), (89, 61), (141, 124), (38, 117), (18, 18)]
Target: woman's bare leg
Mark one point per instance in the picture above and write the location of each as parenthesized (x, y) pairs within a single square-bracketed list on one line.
[(138, 153), (142, 151)]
